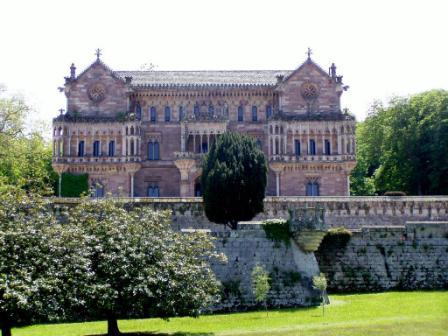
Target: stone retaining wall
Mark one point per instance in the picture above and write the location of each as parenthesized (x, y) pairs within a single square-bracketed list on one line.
[(414, 256)]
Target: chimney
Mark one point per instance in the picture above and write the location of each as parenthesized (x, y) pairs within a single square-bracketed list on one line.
[(72, 72), (128, 79), (333, 71)]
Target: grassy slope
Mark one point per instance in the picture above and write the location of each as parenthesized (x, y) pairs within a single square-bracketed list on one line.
[(393, 313)]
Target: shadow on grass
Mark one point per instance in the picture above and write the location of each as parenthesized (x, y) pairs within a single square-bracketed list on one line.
[(154, 333)]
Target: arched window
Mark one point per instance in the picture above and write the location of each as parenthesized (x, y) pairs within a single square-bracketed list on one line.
[(96, 148), (327, 147), (240, 113), (153, 150), (153, 114), (181, 113), (297, 147), (196, 110), (197, 189), (312, 149), (153, 191), (312, 189), (98, 190), (81, 148), (132, 148), (258, 143), (138, 111), (268, 111), (211, 110), (112, 148), (167, 114), (204, 147), (254, 113)]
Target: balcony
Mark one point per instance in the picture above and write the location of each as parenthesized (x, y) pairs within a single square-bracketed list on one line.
[(96, 159), (312, 158)]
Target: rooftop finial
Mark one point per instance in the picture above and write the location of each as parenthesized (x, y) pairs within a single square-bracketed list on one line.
[(98, 54), (309, 52), (72, 71)]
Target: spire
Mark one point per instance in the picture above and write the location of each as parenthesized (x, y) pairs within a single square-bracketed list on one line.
[(333, 71)]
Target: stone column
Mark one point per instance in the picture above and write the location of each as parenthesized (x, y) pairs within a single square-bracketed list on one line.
[(182, 137), (184, 166), (132, 185), (194, 143), (277, 168)]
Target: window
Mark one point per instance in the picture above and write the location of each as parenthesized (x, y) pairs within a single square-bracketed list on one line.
[(132, 151), (196, 110), (153, 114), (204, 147), (98, 190), (327, 147), (153, 191), (312, 189), (138, 111), (153, 151), (254, 113), (312, 149), (197, 189), (81, 148), (167, 114), (112, 148), (96, 148), (240, 113), (297, 147), (211, 110), (268, 111), (258, 143), (181, 113)]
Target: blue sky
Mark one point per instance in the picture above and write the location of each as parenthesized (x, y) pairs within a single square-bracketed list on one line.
[(382, 48)]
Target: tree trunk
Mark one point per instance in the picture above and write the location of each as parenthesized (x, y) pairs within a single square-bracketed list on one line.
[(112, 326), (6, 329)]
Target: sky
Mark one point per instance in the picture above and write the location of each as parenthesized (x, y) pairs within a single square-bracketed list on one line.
[(382, 48)]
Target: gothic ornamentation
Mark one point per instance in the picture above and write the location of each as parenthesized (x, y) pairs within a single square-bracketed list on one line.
[(97, 92), (309, 91)]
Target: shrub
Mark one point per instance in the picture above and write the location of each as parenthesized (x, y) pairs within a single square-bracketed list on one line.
[(278, 231), (336, 237), (74, 185)]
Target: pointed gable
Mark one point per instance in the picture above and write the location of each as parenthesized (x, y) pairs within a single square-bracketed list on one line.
[(97, 91), (309, 90)]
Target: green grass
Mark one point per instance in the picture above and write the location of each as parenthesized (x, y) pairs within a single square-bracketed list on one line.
[(392, 313)]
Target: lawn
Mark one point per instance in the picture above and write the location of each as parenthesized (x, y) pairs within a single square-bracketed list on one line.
[(392, 313)]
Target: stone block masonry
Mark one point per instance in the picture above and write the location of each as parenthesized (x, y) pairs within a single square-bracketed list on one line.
[(290, 269), (414, 256)]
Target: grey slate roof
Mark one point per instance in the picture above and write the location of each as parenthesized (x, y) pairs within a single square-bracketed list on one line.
[(203, 78)]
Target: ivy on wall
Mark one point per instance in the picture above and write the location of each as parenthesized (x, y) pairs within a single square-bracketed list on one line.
[(74, 185)]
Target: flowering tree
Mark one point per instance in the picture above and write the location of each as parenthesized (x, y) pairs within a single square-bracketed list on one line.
[(140, 266), (43, 265)]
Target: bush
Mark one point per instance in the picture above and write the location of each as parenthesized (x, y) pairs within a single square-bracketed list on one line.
[(336, 237), (278, 231), (74, 185)]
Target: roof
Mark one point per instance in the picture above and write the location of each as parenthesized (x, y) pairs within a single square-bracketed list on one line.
[(203, 78)]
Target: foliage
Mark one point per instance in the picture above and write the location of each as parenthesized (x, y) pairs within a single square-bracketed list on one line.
[(403, 147), (379, 314), (42, 263), (74, 185), (336, 237), (234, 179), (25, 157), (140, 266), (394, 193), (278, 231), (320, 283), (260, 284)]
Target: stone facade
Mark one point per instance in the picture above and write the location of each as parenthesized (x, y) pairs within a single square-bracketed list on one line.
[(414, 256), (142, 133)]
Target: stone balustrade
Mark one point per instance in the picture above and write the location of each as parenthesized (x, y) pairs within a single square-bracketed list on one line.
[(96, 159), (350, 212), (311, 158)]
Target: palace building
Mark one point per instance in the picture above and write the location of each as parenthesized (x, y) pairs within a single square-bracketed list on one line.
[(143, 133)]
